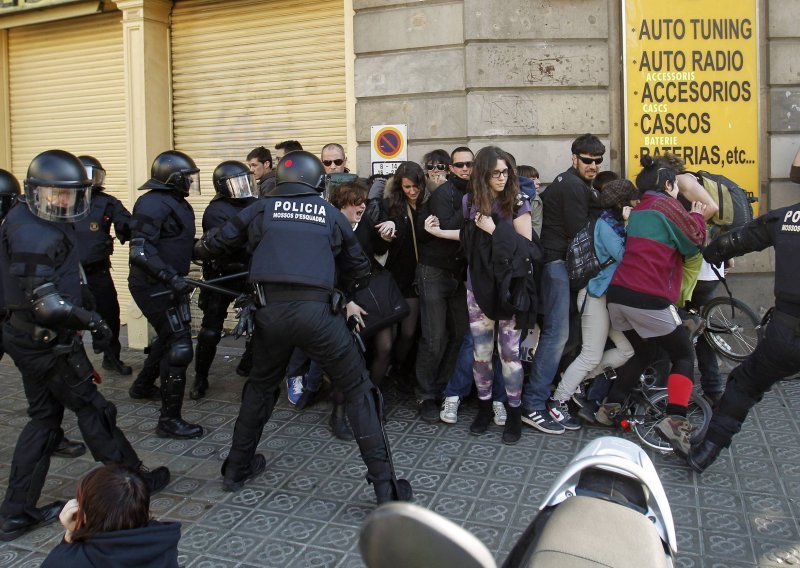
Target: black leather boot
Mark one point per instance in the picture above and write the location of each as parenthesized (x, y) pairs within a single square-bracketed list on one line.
[(68, 449), (113, 363), (483, 419), (703, 455), (512, 431), (170, 424), (338, 423), (17, 525), (144, 386)]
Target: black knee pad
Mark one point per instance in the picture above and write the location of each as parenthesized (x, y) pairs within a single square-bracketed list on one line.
[(180, 353), (208, 337)]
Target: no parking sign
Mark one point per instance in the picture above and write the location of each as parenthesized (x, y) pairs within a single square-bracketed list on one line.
[(388, 148)]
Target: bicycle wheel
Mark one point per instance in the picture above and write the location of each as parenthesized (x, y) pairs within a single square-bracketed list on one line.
[(652, 410), (732, 328)]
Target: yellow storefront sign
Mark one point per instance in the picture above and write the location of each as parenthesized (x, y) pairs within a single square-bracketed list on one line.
[(691, 85)]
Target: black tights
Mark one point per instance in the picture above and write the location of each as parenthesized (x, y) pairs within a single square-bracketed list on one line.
[(678, 347)]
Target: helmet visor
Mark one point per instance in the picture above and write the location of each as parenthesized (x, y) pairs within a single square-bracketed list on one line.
[(241, 186), (97, 175), (59, 204), (193, 179)]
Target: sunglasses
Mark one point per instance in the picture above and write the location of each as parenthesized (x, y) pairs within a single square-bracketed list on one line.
[(588, 161), (440, 167), (328, 163), (459, 165)]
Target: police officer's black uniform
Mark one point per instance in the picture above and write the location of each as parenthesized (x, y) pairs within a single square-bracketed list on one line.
[(299, 242), (777, 355), (235, 187), (9, 194), (162, 231), (40, 272), (95, 247)]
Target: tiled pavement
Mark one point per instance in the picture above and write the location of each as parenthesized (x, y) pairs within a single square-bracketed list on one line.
[(306, 509)]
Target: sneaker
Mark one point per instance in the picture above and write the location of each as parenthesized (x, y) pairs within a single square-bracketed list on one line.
[(675, 430), (579, 399), (294, 389), (541, 420), (559, 411), (499, 413), (429, 411), (449, 413), (607, 413)]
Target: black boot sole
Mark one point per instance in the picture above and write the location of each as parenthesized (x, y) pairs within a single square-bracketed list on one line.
[(161, 433)]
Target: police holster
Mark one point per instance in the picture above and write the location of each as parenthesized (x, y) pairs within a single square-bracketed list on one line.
[(180, 314)]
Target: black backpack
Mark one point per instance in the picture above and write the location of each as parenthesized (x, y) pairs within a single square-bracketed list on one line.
[(582, 261)]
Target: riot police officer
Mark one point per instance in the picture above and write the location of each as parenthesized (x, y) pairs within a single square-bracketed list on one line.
[(162, 231), (9, 196), (40, 272), (95, 247), (777, 355), (235, 189), (300, 242)]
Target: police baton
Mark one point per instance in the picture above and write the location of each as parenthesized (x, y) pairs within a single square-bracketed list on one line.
[(208, 285)]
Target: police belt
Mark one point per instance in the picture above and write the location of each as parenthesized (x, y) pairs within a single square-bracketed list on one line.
[(96, 267), (792, 322), (272, 293)]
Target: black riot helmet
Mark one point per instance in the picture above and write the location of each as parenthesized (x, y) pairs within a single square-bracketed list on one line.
[(173, 170), (299, 173), (9, 192), (234, 179), (57, 187), (94, 170)]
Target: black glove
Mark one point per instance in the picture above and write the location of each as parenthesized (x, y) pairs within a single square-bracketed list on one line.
[(101, 334), (245, 313), (179, 285)]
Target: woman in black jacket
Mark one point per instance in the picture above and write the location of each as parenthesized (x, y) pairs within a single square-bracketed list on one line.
[(109, 524)]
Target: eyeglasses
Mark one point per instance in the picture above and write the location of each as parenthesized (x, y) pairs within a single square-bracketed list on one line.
[(328, 163), (586, 160), (440, 167), (497, 174), (459, 165)]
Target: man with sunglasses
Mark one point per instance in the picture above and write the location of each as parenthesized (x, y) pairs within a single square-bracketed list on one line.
[(567, 203), (442, 294), (333, 159)]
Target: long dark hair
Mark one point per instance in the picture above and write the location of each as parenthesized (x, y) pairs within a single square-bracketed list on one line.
[(397, 199), (110, 498), (482, 194)]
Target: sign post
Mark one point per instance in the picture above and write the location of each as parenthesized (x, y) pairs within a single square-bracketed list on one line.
[(691, 85), (388, 148)]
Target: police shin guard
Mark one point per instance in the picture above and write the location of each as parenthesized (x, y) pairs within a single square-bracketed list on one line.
[(207, 341), (170, 424), (364, 411)]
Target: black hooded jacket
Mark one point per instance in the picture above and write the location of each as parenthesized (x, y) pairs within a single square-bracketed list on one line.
[(154, 546)]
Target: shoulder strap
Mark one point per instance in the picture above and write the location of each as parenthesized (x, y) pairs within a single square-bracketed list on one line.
[(413, 231)]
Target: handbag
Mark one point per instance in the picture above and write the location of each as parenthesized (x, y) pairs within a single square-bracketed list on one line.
[(383, 302)]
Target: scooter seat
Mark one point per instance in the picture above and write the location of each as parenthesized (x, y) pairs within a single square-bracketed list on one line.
[(586, 532)]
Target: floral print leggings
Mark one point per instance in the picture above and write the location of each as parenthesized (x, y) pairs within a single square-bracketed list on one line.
[(483, 335)]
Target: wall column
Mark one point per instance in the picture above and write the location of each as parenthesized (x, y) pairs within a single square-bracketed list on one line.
[(148, 80)]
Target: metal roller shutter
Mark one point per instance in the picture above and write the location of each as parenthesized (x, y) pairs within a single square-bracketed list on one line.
[(67, 90), (246, 74)]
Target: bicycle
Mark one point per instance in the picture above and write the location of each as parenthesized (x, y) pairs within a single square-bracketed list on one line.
[(732, 327), (646, 406)]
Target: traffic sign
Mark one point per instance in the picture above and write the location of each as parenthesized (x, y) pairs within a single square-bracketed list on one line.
[(389, 143)]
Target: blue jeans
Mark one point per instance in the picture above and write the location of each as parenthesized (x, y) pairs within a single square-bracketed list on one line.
[(461, 381), (443, 324), (555, 332)]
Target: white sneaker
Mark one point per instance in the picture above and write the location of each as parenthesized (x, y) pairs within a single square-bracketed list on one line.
[(449, 413), (294, 388), (499, 413)]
